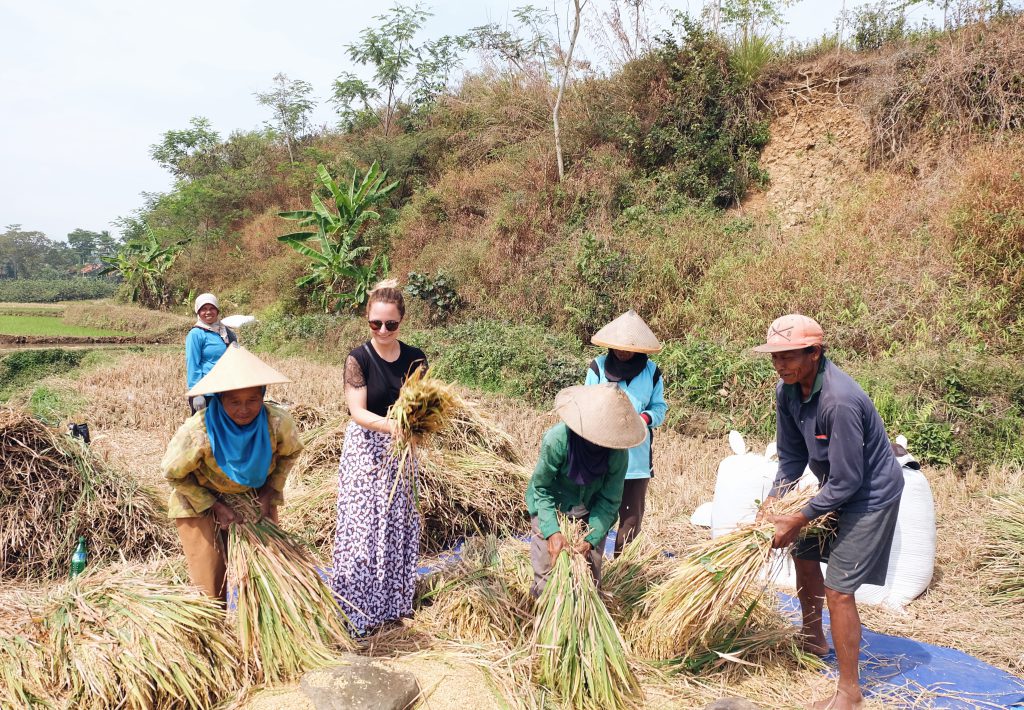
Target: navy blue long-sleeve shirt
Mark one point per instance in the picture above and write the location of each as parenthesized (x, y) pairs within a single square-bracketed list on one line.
[(838, 433)]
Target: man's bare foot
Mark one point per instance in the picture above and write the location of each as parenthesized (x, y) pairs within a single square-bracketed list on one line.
[(809, 643), (842, 700)]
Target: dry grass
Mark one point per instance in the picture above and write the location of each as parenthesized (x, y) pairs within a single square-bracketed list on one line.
[(53, 490), (147, 325)]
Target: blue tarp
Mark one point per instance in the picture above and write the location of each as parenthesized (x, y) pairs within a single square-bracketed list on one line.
[(919, 675)]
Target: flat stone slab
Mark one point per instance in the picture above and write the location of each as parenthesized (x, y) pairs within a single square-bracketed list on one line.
[(360, 683), (732, 704)]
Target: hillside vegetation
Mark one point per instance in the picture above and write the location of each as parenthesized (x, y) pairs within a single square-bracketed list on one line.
[(880, 191)]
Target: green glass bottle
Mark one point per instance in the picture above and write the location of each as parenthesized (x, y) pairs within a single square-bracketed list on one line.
[(79, 558)]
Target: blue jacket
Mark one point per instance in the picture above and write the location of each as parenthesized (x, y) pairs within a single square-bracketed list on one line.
[(202, 351), (838, 433), (647, 393)]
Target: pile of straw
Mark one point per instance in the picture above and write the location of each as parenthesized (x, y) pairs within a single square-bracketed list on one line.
[(52, 490), (626, 579), (1004, 564), (470, 477), (287, 619), (695, 609), (485, 598), (115, 639), (579, 653)]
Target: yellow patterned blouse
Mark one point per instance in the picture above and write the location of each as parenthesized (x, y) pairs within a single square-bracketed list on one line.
[(196, 479)]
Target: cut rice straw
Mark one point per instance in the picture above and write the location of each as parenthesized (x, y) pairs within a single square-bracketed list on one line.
[(287, 619), (112, 639), (696, 606), (578, 651), (1004, 564)]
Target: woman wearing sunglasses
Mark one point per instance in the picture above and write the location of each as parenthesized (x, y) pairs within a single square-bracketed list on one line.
[(377, 537)]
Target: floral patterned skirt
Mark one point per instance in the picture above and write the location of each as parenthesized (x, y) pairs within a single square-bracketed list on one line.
[(377, 537)]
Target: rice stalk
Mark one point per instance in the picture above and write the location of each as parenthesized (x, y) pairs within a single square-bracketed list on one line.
[(114, 639), (695, 607), (578, 651), (485, 598), (1004, 565), (53, 489), (287, 619), (627, 578)]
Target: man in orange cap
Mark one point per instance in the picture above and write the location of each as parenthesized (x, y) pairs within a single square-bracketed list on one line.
[(825, 421)]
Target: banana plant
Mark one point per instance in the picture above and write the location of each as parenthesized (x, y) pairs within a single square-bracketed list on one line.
[(143, 264), (338, 257)]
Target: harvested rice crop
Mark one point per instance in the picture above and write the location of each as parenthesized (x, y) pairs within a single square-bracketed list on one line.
[(626, 579), (485, 598), (579, 653), (424, 407), (1005, 554), (114, 639), (287, 619), (694, 609), (53, 489)]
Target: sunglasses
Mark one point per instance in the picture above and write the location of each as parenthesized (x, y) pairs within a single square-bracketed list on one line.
[(391, 325)]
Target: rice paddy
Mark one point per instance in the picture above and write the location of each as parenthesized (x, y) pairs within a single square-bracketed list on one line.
[(477, 614), (51, 326)]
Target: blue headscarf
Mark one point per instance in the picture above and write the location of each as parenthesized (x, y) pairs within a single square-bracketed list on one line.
[(242, 452)]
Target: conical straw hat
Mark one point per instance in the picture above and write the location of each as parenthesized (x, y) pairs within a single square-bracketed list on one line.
[(601, 414), (237, 369), (627, 332)]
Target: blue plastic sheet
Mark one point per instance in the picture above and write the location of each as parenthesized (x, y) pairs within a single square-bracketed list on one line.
[(920, 675)]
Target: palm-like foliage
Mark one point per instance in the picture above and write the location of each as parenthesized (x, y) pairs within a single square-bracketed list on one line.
[(143, 264), (338, 257)]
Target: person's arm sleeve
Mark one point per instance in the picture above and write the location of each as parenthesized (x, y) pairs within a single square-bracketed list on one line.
[(289, 446), (845, 429), (193, 357), (549, 463), (792, 449), (658, 407), (178, 466), (604, 508)]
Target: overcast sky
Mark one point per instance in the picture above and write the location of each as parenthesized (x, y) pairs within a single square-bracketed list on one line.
[(89, 85)]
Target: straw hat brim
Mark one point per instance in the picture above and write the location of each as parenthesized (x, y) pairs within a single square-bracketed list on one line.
[(628, 332), (237, 369), (601, 414)]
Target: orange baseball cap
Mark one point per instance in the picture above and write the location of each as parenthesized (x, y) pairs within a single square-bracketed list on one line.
[(791, 332)]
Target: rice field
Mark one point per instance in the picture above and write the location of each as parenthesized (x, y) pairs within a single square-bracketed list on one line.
[(52, 326), (134, 405)]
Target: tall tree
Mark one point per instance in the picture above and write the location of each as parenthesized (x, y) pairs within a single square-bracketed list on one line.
[(84, 244), (189, 153), (403, 68), (291, 104), (31, 254)]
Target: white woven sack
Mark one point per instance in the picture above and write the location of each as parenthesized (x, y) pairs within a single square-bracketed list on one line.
[(743, 481), (912, 559)]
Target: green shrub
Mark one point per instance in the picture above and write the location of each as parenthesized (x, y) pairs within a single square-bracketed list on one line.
[(438, 292), (518, 360), (21, 368), (52, 290)]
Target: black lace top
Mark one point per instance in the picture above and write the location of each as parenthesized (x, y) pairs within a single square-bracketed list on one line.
[(382, 379)]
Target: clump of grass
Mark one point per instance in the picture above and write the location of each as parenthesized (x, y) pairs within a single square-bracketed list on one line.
[(694, 609), (115, 639), (53, 490), (1005, 555), (579, 653), (483, 599), (287, 619)]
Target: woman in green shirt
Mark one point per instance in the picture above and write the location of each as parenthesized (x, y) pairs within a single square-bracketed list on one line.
[(580, 473)]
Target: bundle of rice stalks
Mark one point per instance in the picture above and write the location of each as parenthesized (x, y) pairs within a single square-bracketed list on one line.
[(321, 449), (626, 579), (113, 639), (287, 619), (52, 490), (485, 598), (579, 653), (307, 418), (470, 492), (469, 430), (424, 407), (696, 606), (1005, 555)]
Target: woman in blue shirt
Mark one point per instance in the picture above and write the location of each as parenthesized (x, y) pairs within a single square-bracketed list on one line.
[(205, 343), (629, 341)]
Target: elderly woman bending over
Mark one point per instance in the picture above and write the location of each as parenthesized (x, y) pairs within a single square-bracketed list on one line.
[(237, 444)]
